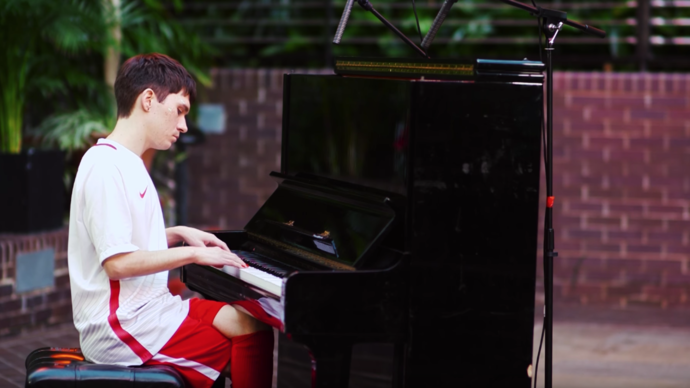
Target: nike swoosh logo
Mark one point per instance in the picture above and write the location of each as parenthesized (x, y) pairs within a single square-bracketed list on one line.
[(144, 193)]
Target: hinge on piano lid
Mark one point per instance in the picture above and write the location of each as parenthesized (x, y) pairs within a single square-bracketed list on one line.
[(326, 234)]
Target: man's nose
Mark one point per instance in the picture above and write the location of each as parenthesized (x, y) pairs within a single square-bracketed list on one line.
[(182, 125)]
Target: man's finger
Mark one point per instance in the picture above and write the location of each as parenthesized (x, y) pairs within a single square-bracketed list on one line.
[(239, 261), (222, 244)]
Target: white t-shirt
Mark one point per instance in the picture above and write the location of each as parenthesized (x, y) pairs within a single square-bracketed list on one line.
[(115, 209)]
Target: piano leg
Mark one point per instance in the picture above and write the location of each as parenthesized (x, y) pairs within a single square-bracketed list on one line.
[(330, 363)]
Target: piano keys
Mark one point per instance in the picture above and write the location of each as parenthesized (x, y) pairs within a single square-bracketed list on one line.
[(405, 213)]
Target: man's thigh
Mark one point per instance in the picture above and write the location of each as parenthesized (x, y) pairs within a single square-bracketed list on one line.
[(197, 350)]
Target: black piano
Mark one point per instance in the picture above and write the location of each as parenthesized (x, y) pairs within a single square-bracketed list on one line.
[(406, 213)]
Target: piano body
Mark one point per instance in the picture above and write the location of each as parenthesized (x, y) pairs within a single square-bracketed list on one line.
[(406, 212)]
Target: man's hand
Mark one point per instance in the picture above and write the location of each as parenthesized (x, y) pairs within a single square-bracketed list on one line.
[(193, 237), (217, 257), (213, 251)]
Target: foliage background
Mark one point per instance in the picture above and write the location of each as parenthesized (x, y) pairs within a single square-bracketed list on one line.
[(298, 33)]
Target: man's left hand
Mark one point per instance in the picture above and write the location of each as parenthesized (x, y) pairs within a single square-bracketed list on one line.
[(193, 237)]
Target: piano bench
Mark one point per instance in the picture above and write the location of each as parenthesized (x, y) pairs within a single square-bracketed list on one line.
[(66, 367)]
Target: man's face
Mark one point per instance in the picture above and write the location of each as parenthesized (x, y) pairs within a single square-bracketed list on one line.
[(168, 120)]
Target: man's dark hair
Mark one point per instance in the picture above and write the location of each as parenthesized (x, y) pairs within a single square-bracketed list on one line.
[(159, 72)]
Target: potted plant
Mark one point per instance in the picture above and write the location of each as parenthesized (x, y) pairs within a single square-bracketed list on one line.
[(71, 67), (32, 32)]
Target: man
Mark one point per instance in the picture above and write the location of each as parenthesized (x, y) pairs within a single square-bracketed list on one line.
[(118, 249)]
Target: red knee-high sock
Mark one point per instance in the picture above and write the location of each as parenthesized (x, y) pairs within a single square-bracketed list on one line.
[(251, 364)]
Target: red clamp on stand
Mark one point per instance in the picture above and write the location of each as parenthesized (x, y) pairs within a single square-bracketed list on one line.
[(549, 201)]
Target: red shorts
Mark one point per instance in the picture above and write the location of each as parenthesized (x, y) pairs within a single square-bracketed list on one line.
[(197, 350)]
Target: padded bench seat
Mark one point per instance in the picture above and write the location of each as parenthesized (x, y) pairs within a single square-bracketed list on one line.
[(66, 367)]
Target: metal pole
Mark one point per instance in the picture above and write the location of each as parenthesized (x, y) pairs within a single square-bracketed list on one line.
[(643, 13), (327, 32), (548, 229), (552, 30)]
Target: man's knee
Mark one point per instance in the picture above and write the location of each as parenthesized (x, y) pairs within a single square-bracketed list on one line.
[(233, 321)]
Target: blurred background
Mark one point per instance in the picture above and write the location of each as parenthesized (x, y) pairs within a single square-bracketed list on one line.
[(621, 131)]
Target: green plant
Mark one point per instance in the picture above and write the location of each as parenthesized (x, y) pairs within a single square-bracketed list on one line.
[(52, 63), (32, 33), (72, 131)]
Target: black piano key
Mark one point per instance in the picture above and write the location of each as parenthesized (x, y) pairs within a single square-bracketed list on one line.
[(254, 260)]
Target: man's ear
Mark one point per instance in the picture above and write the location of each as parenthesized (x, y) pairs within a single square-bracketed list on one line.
[(147, 97)]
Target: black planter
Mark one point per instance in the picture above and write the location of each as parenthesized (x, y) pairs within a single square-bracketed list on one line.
[(31, 191)]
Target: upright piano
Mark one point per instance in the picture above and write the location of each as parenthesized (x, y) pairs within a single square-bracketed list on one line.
[(406, 212)]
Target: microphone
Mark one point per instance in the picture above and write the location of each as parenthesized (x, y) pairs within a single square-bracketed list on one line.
[(343, 21), (442, 13)]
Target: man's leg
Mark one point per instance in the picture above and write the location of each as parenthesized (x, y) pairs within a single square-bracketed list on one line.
[(233, 322), (251, 360)]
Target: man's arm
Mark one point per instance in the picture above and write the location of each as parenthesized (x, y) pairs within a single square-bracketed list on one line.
[(140, 263)]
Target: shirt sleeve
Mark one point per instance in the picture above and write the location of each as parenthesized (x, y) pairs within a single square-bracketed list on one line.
[(107, 215)]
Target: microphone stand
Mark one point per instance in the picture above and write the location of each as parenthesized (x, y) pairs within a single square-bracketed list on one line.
[(367, 5), (553, 21)]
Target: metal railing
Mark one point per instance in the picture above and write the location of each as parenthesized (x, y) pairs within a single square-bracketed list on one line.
[(642, 35)]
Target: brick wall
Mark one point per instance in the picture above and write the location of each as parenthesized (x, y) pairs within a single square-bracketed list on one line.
[(622, 178), (44, 306), (229, 173), (622, 187)]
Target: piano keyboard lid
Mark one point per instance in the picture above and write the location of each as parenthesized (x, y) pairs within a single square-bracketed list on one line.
[(334, 228)]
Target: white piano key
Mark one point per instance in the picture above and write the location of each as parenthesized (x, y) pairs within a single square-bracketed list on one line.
[(258, 278)]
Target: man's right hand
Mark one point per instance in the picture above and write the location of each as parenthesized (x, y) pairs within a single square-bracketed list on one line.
[(217, 257)]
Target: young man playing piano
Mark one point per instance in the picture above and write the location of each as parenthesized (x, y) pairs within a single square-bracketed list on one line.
[(118, 249)]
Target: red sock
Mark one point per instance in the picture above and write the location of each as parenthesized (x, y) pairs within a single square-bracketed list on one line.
[(252, 360)]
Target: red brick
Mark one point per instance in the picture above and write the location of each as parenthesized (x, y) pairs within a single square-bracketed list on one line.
[(640, 193), (667, 294), (579, 126), (610, 167), (584, 206), (625, 180), (623, 291), (6, 290), (638, 114), (609, 247), (15, 320), (582, 154), (634, 101), (678, 248), (632, 155), (584, 234), (627, 264), (605, 193), (600, 275), (674, 210), (41, 316), (639, 248), (679, 143), (603, 221), (608, 142), (62, 281), (576, 179), (34, 301), (665, 236), (626, 235), (58, 295), (678, 114), (662, 265), (677, 279), (677, 101), (11, 306), (646, 143)]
